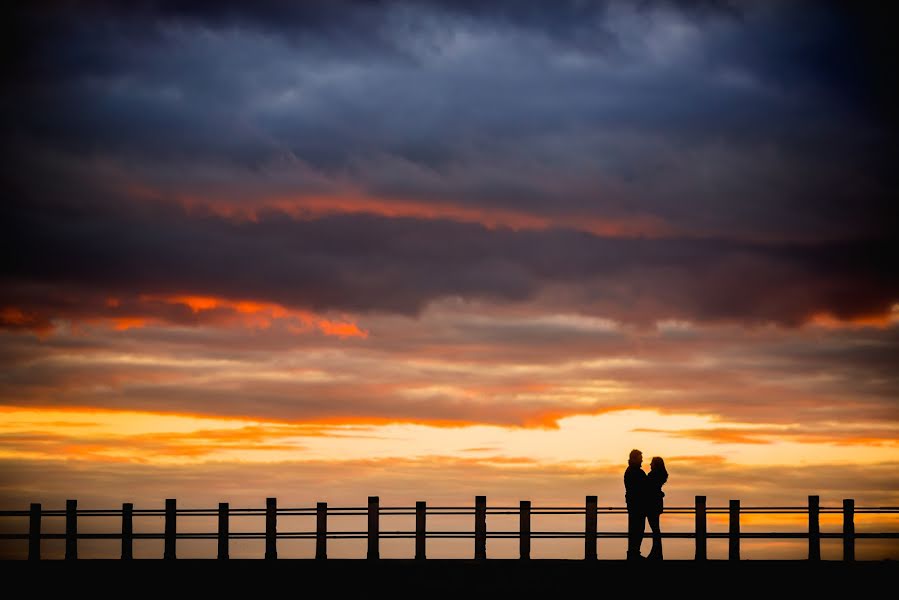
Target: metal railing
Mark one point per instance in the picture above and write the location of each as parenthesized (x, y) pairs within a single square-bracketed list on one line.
[(590, 533)]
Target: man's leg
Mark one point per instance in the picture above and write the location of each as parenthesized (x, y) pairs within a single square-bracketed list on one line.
[(641, 530), (636, 522)]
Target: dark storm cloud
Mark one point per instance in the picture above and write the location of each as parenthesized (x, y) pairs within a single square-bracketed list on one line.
[(725, 121), (68, 264), (757, 120), (559, 17)]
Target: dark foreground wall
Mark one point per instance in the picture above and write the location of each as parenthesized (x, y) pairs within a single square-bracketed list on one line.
[(258, 579)]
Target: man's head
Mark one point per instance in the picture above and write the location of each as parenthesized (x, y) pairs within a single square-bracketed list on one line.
[(636, 458)]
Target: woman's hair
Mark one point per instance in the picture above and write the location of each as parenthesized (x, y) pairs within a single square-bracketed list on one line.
[(658, 465)]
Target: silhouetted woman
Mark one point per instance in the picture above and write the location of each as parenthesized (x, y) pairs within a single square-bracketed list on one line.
[(657, 477)]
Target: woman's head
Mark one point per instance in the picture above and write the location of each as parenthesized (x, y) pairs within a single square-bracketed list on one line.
[(657, 466)]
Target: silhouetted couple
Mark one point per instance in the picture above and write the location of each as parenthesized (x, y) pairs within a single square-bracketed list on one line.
[(643, 494)]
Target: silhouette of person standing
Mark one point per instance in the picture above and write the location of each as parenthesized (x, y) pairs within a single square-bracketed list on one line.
[(657, 477), (635, 497)]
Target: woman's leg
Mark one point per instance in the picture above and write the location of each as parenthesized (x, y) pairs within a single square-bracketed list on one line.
[(656, 551)]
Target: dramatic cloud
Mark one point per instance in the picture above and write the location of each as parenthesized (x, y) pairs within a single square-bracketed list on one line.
[(365, 263), (659, 121), (458, 364)]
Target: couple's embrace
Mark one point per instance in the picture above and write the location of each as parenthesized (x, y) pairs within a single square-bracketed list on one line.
[(643, 495)]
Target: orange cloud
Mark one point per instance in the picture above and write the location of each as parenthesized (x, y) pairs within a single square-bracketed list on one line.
[(717, 436), (341, 329), (12, 317), (129, 323), (196, 303), (311, 207), (251, 313), (877, 320), (122, 314), (757, 435)]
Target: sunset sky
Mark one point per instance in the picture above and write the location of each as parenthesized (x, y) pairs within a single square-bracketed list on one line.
[(431, 250)]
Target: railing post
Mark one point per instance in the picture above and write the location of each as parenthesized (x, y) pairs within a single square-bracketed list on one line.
[(170, 529), (524, 529), (127, 531), (321, 530), (224, 534), (590, 528), (849, 530), (373, 527), (701, 531), (814, 528), (34, 532), (71, 529), (480, 527), (421, 512), (733, 550), (271, 528)]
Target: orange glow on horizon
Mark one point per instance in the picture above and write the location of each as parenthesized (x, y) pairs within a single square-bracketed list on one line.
[(151, 437)]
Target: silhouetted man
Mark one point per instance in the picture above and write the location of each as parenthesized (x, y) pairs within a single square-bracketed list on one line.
[(635, 497)]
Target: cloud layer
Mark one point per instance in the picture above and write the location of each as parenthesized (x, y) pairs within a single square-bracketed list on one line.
[(176, 147)]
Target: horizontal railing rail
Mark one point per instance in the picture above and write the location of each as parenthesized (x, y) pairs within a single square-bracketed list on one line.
[(480, 511)]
